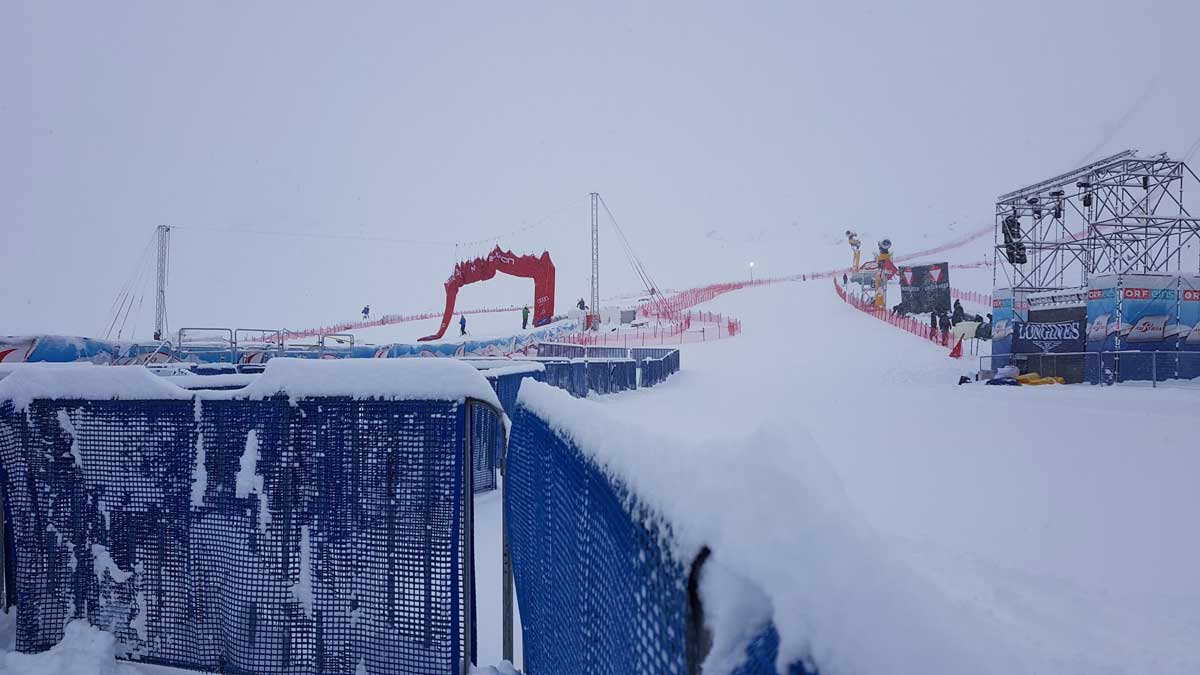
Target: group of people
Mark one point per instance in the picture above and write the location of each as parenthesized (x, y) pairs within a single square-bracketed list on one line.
[(940, 323)]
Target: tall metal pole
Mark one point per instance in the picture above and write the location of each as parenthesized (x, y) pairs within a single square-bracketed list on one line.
[(160, 304), (596, 255)]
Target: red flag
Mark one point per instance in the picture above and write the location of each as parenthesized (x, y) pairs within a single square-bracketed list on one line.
[(956, 352)]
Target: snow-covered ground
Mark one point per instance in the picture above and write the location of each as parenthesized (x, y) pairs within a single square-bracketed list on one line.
[(1033, 529), (1058, 520)]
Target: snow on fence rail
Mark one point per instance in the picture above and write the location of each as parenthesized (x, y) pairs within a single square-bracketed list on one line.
[(602, 585), (316, 521)]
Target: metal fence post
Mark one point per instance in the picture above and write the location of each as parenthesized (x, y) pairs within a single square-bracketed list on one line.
[(468, 510), (506, 583)]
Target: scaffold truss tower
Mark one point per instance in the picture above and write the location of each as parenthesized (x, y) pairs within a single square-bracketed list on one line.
[(1122, 214)]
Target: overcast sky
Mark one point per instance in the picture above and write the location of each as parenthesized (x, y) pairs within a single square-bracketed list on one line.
[(718, 133)]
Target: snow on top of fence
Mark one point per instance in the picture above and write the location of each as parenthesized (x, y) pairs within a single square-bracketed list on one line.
[(507, 367), (777, 519), (413, 379), (23, 385)]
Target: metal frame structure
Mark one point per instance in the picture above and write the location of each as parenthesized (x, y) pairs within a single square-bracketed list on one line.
[(160, 296), (1121, 214), (595, 309)]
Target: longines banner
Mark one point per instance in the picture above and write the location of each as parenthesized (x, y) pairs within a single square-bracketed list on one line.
[(925, 288), (1042, 338)]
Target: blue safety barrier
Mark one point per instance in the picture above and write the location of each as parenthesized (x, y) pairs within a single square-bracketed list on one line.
[(606, 353), (598, 589), (597, 592), (316, 535), (657, 369), (559, 350), (611, 376), (640, 354), (569, 375)]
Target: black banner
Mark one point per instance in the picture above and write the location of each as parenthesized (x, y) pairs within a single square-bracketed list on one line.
[(925, 288), (1048, 338)]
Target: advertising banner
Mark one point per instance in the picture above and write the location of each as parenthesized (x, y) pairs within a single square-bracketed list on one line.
[(1007, 307), (925, 288), (1102, 318), (1188, 331), (1045, 338), (1134, 312)]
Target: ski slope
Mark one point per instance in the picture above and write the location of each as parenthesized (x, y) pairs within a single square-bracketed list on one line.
[(1051, 529)]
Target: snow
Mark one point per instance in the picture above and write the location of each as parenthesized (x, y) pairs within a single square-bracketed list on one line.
[(248, 479), (884, 518), (1034, 530), (401, 379), (84, 650), (64, 421), (302, 590), (102, 562), (192, 381), (502, 367), (199, 473), (95, 383)]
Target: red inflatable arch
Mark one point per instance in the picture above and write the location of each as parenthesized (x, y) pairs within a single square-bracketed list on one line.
[(540, 269)]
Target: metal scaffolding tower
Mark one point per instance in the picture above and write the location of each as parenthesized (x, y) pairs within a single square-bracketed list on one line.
[(160, 303), (1122, 214), (595, 306)]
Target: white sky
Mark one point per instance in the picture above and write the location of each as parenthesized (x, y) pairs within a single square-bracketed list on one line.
[(718, 133)]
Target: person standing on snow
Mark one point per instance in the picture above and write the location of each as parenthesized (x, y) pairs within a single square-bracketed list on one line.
[(462, 324), (933, 324), (525, 317), (366, 312), (944, 325)]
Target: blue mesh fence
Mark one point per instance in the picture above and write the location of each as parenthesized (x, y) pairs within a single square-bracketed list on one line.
[(508, 385), (607, 353), (243, 536), (564, 351), (599, 593), (569, 375), (640, 354), (655, 370), (607, 377), (487, 445)]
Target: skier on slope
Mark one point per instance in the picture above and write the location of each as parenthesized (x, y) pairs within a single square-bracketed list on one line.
[(581, 305), (462, 324), (366, 312), (525, 317), (944, 325)]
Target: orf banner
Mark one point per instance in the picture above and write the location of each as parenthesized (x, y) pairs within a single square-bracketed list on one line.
[(1145, 312), (924, 288), (1149, 309)]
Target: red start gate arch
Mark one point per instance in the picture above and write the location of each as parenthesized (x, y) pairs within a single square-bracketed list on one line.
[(538, 268)]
